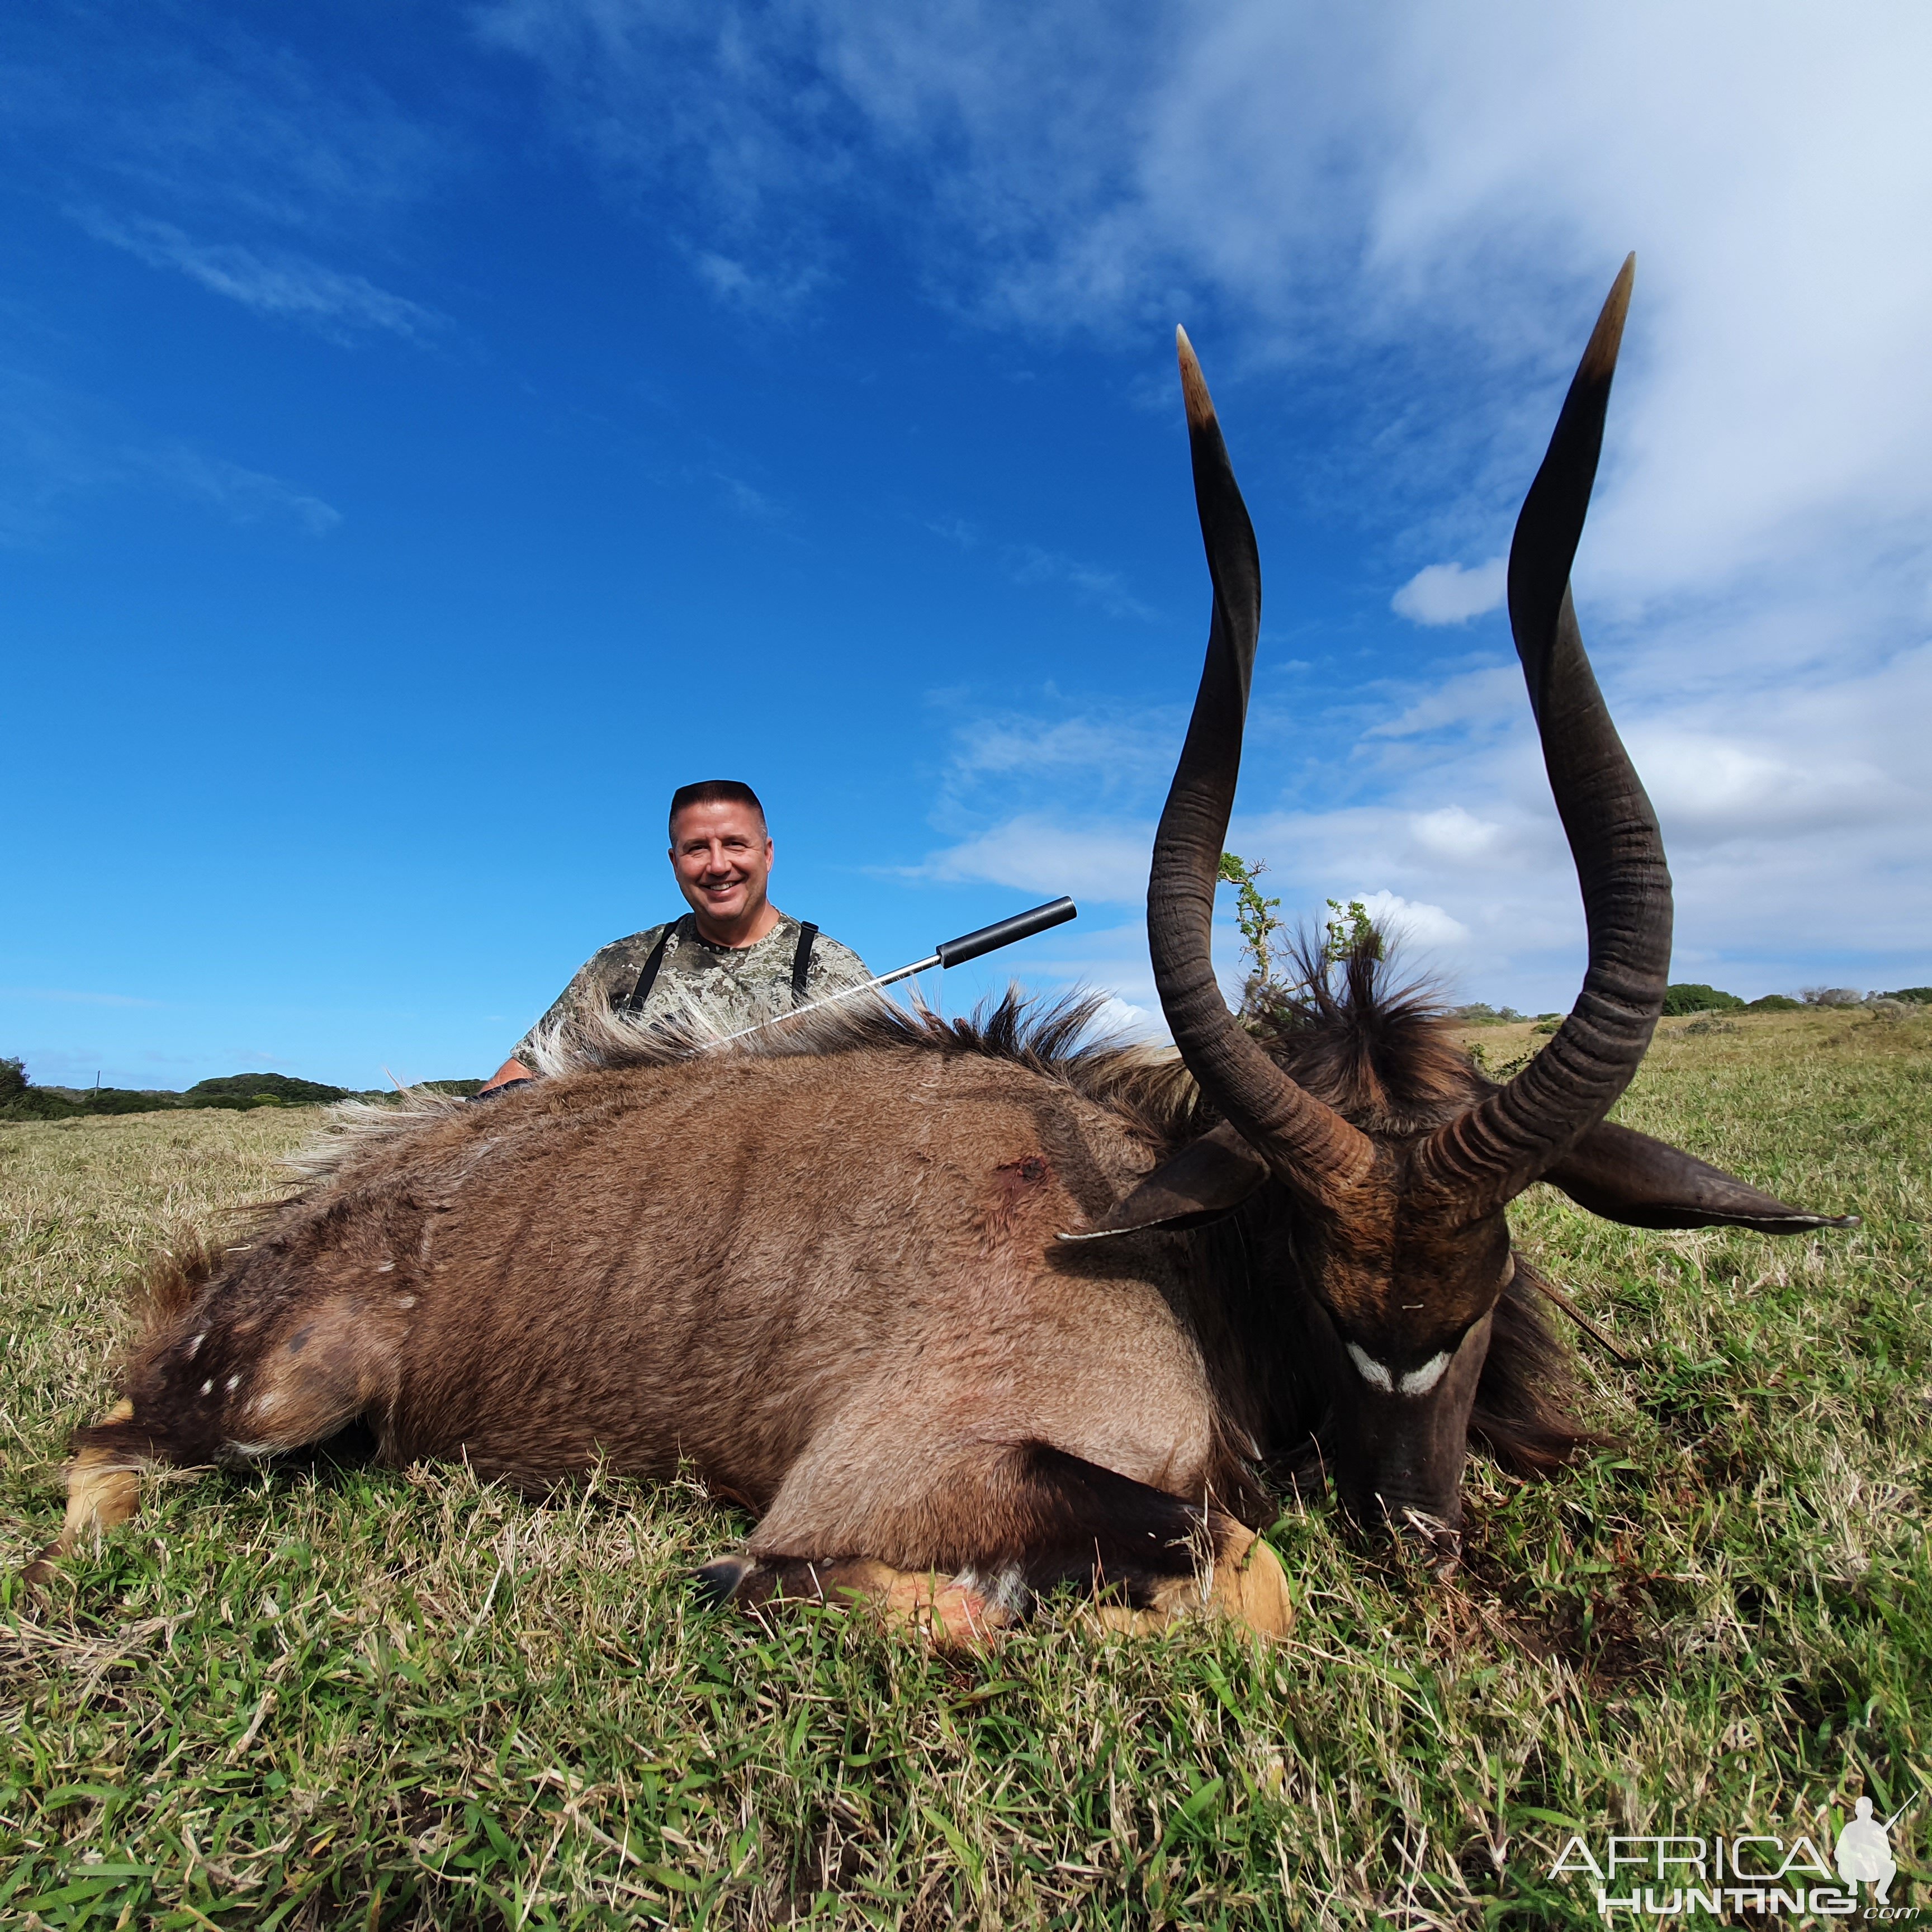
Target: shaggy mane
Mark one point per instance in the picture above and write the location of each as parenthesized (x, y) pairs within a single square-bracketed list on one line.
[(1061, 1039), (1382, 1055)]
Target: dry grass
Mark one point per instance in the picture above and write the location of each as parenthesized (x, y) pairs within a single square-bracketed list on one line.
[(335, 1696)]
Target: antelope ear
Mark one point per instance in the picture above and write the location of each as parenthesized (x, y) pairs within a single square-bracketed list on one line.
[(1627, 1177), (1208, 1180)]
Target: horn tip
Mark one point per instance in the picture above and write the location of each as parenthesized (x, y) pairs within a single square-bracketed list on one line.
[(1194, 396), (1599, 358)]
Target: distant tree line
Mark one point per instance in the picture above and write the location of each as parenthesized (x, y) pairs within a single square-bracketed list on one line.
[(22, 1100), (1693, 996)]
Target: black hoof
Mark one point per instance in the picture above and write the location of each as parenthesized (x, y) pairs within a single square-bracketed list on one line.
[(717, 1583)]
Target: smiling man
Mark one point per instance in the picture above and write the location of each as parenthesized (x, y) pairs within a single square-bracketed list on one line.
[(734, 955)]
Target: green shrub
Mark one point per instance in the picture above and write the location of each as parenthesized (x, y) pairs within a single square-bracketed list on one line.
[(36, 1103), (1917, 996), (20, 1100), (230, 1087), (1776, 1002), (125, 1100), (1693, 996), (1254, 914)]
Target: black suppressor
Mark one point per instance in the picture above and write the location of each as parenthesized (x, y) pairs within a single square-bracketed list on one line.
[(951, 952)]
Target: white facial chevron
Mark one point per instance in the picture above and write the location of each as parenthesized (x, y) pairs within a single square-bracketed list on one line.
[(1417, 1382), (1370, 1370)]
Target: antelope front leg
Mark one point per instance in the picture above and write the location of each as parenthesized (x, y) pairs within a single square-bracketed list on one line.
[(1244, 1582), (102, 1493), (962, 1612)]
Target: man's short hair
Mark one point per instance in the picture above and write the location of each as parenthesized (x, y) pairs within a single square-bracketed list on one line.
[(715, 791)]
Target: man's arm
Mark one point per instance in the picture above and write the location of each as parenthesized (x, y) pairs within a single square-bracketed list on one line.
[(568, 1002), (595, 984)]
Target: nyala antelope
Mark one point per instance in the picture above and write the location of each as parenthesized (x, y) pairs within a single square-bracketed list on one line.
[(965, 1312)]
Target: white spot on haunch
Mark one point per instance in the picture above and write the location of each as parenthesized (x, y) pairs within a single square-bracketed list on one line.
[(233, 1383), (195, 1342), (208, 1388), (1419, 1382), (406, 1301), (383, 1267), (1370, 1370)]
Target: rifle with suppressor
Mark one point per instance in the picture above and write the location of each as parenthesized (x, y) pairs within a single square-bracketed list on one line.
[(948, 952)]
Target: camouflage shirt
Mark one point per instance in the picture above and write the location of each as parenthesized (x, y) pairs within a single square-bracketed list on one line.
[(734, 986)]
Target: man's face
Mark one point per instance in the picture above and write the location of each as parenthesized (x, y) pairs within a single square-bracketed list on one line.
[(722, 856)]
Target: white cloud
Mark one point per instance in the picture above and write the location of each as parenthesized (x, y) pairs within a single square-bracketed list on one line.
[(1455, 833), (275, 282), (1104, 750), (1446, 593), (1451, 182), (66, 997), (1094, 583), (1419, 206), (1491, 695), (1792, 816), (1132, 1022), (151, 106), (1411, 921), (56, 445), (244, 495), (747, 500), (755, 292), (1038, 853), (1713, 782), (1026, 563)]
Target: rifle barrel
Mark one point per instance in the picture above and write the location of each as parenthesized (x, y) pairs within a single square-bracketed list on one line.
[(948, 952)]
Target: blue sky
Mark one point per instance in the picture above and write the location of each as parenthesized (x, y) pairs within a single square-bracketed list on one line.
[(427, 434)]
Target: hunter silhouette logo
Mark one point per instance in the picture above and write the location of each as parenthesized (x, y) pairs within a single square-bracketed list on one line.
[(1661, 1877), (1864, 1852)]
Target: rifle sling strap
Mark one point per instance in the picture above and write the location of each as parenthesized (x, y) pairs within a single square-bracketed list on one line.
[(801, 962), (648, 978)]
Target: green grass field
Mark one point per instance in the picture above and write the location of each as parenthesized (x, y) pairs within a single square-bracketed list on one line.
[(332, 1695)]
